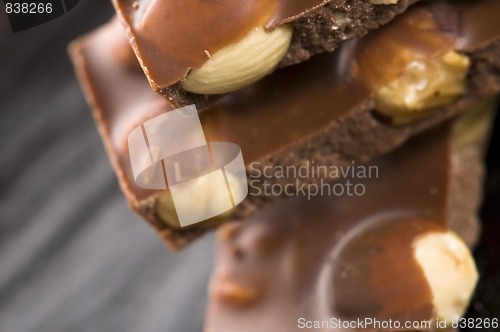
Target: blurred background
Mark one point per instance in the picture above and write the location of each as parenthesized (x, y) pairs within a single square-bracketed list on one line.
[(73, 257)]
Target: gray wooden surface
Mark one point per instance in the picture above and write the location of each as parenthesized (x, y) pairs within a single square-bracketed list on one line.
[(72, 255)]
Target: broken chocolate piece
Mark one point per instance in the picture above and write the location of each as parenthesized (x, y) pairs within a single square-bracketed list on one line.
[(167, 57), (312, 113), (172, 37), (349, 258)]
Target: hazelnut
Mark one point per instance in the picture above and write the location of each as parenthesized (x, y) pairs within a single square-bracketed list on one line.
[(425, 84), (450, 271)]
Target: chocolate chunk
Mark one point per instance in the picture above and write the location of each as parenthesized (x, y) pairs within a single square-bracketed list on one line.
[(318, 112), (172, 37), (349, 258), (168, 57)]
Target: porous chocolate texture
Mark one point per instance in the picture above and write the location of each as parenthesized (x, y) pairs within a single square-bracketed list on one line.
[(324, 28)]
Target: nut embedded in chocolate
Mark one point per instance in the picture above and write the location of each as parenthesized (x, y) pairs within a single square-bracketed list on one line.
[(171, 38), (285, 119), (451, 273), (240, 64), (350, 258), (423, 86)]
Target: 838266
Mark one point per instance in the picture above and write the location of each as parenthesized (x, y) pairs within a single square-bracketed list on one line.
[(28, 8)]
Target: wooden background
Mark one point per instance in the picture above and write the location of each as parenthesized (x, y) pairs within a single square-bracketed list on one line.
[(72, 255)]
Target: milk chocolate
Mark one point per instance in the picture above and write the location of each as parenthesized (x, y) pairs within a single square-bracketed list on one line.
[(167, 57), (348, 258), (172, 37), (310, 113)]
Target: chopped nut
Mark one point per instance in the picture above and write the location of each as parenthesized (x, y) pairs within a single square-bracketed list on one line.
[(339, 19), (207, 53), (384, 2), (425, 84)]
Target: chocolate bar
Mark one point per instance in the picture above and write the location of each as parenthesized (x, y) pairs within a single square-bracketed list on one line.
[(167, 60), (317, 263), (320, 112), (171, 38)]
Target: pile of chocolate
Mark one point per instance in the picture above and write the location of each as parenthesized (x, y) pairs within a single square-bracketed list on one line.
[(401, 93)]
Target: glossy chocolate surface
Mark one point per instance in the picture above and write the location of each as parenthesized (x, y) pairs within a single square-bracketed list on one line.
[(477, 22), (171, 37), (296, 102), (277, 116), (103, 60), (285, 107), (426, 30), (342, 257)]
